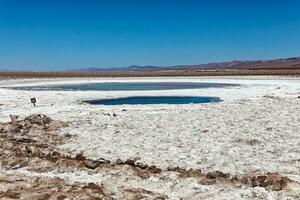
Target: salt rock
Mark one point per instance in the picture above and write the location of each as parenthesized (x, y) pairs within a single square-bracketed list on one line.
[(279, 185), (103, 161), (91, 164), (216, 174), (79, 156), (154, 169), (119, 161), (129, 162), (272, 181), (207, 181), (141, 165)]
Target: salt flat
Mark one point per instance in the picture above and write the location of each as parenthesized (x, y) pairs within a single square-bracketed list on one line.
[(256, 129)]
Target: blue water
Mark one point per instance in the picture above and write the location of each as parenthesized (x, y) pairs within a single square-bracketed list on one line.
[(126, 86), (154, 100)]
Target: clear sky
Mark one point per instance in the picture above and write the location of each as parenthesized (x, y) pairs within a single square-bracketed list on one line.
[(61, 35)]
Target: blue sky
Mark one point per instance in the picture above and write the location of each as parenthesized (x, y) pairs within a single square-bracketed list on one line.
[(61, 35)]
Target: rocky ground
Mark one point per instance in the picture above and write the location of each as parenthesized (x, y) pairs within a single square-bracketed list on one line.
[(32, 167)]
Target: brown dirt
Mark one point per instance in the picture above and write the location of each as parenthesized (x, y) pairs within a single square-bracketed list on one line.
[(241, 72)]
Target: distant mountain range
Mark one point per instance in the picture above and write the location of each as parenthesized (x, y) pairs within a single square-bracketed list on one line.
[(284, 63)]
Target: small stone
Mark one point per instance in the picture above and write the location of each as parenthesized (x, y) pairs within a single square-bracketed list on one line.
[(80, 156), (68, 135), (103, 161), (279, 185), (210, 175), (266, 183), (53, 156), (245, 180), (141, 165), (194, 172), (261, 178), (92, 186), (119, 161), (234, 178), (114, 114), (144, 174), (17, 128), (47, 120), (28, 149), (129, 162), (217, 174), (61, 197), (91, 164), (254, 182), (170, 168), (207, 181), (154, 169)]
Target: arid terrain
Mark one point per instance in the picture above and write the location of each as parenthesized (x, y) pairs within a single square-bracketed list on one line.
[(168, 73), (245, 147), (276, 67), (30, 158)]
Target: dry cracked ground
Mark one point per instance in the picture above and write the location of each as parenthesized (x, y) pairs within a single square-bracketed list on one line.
[(34, 167)]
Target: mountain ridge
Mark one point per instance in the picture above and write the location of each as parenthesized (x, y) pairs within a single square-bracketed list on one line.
[(276, 64), (282, 63)]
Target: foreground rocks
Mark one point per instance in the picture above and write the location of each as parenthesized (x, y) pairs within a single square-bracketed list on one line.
[(43, 189), (32, 144)]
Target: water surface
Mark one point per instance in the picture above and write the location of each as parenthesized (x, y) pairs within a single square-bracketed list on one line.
[(126, 86), (154, 100)]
